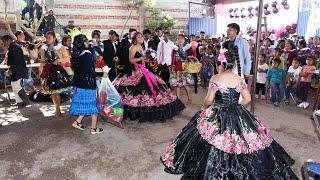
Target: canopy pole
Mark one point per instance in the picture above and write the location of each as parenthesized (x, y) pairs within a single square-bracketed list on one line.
[(257, 48)]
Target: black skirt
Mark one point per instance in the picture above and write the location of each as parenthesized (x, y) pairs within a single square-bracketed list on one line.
[(227, 143)]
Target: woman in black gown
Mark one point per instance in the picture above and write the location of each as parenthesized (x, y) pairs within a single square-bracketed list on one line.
[(145, 95), (224, 141)]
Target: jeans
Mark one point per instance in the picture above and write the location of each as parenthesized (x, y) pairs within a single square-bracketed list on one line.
[(27, 83), (288, 91), (276, 92)]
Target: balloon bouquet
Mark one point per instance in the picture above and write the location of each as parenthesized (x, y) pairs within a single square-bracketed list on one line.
[(109, 101)]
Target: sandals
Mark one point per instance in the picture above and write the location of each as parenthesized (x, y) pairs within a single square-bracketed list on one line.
[(78, 125), (96, 130)]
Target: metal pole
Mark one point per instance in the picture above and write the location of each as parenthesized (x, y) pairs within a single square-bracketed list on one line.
[(257, 48), (189, 16)]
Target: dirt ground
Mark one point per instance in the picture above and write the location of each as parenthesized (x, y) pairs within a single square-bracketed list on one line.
[(34, 145)]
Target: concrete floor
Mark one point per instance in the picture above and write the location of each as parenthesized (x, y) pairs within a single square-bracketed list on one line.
[(34, 145)]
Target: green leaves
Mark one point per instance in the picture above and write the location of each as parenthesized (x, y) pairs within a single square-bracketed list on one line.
[(159, 18)]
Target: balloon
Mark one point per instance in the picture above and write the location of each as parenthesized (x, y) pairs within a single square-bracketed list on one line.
[(284, 2), (274, 4), (117, 112), (266, 12), (288, 28), (294, 26), (244, 13), (279, 6), (286, 7), (286, 34), (236, 12)]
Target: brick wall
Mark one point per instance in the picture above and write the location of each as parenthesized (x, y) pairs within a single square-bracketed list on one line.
[(112, 14)]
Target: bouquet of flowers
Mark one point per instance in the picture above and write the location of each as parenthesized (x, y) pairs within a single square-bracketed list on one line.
[(109, 101), (152, 61)]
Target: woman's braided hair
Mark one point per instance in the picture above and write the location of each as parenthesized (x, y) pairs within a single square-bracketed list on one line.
[(232, 56)]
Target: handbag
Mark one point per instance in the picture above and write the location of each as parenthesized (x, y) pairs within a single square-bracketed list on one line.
[(192, 65), (58, 78)]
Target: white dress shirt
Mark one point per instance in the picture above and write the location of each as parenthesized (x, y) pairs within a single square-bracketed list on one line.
[(146, 44), (164, 53), (114, 46)]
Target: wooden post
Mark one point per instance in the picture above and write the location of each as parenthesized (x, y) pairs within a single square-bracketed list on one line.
[(257, 48)]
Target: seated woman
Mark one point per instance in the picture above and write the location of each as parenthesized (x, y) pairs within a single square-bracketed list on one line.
[(145, 95)]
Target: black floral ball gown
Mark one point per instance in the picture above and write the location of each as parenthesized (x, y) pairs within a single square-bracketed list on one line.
[(226, 142), (145, 96)]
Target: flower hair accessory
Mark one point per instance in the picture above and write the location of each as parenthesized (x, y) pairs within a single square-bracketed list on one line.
[(222, 56)]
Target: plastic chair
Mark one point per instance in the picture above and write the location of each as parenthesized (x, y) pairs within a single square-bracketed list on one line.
[(311, 169)]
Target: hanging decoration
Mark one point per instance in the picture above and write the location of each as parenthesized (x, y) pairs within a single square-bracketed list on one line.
[(280, 33), (250, 12)]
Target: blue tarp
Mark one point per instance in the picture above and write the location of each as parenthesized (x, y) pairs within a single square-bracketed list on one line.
[(208, 25)]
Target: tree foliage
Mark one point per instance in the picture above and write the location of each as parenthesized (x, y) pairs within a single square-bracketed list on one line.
[(159, 18), (137, 3)]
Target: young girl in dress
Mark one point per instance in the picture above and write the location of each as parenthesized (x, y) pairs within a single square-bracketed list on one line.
[(224, 140), (261, 76), (145, 96), (84, 84), (54, 78), (180, 79)]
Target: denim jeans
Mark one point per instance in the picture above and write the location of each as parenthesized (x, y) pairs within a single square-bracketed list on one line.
[(276, 92), (27, 83), (288, 91)]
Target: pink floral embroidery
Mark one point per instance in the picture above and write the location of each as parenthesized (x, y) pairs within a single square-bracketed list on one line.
[(222, 88), (231, 142), (168, 156), (214, 87), (132, 80), (163, 98), (241, 87)]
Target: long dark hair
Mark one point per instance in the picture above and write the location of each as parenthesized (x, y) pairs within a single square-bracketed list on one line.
[(232, 56), (65, 39), (134, 38), (78, 47)]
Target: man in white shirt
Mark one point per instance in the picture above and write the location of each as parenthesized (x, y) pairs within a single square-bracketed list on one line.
[(164, 57)]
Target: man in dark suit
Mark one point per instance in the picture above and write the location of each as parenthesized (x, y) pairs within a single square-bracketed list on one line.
[(157, 37), (124, 47), (110, 51), (148, 42)]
